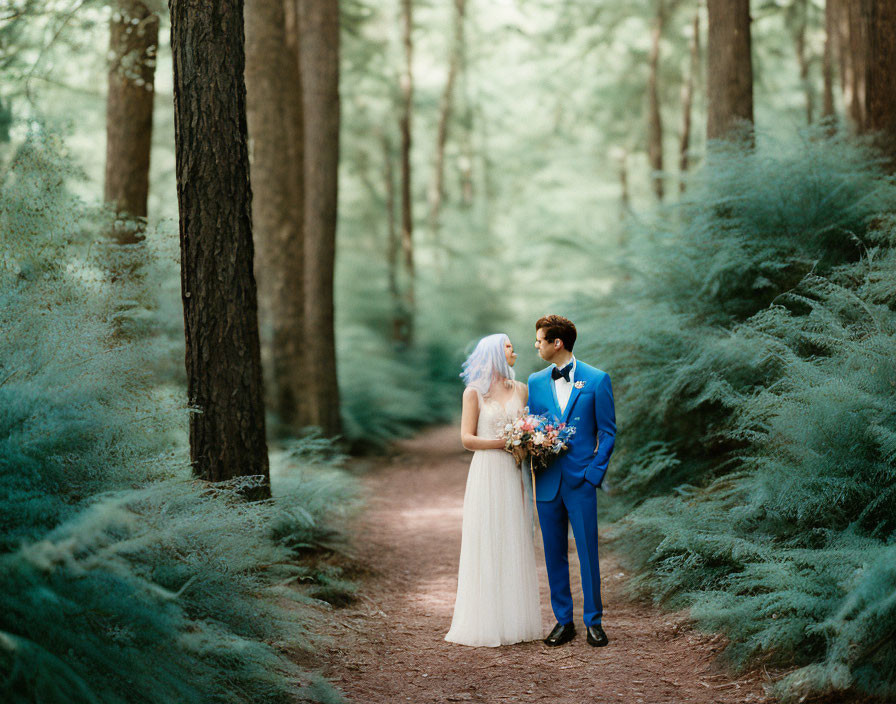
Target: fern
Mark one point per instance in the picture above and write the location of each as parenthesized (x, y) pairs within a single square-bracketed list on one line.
[(752, 343), (121, 578)]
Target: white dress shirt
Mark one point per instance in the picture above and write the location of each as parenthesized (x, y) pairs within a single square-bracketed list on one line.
[(564, 387)]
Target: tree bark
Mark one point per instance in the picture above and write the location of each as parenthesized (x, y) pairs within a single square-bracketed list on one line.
[(227, 433), (880, 106), (319, 20), (466, 156), (730, 69), (392, 243), (852, 41), (840, 21), (655, 121), (407, 221), (801, 9), (830, 42), (625, 205), (274, 115), (437, 191), (687, 101), (133, 41)]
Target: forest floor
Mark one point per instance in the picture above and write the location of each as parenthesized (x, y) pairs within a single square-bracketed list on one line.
[(389, 645)]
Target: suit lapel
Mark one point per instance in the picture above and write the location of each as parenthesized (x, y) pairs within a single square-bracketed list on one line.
[(569, 404), (553, 391), (580, 376)]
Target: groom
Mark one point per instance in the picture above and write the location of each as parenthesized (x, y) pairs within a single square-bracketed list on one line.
[(580, 395)]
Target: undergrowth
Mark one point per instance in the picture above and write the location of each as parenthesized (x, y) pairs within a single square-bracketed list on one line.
[(751, 339)]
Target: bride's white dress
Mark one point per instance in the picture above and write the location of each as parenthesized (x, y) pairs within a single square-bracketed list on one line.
[(497, 586)]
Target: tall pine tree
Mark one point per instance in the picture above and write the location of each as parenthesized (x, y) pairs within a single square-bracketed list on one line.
[(654, 116), (407, 215), (730, 68), (133, 41), (276, 131), (319, 21), (224, 382), (880, 98)]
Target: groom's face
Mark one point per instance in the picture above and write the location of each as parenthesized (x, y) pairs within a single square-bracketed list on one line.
[(546, 350)]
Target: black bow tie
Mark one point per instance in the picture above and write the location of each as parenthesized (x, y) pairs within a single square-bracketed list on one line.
[(556, 372)]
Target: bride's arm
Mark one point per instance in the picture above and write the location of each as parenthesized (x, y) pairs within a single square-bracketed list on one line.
[(468, 422), (524, 392)]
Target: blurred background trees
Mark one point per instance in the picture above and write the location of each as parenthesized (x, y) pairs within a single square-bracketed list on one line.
[(133, 43), (422, 174), (276, 139), (319, 52), (729, 90)]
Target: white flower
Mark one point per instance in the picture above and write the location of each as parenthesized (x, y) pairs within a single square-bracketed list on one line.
[(538, 439)]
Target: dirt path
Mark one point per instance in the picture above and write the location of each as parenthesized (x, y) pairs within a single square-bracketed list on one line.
[(389, 646)]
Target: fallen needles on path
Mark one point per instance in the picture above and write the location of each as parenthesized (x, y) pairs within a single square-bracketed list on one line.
[(348, 625), (376, 607)]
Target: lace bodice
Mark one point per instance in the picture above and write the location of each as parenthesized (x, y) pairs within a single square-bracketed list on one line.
[(493, 414)]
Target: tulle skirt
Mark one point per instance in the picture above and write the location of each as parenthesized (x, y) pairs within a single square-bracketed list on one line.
[(497, 586)]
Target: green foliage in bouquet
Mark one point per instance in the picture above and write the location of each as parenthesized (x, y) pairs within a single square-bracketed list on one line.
[(752, 349), (121, 578)]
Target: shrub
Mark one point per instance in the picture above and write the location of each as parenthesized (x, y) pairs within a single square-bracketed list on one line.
[(751, 341), (122, 579)]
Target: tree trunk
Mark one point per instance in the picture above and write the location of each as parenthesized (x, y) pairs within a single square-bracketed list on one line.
[(801, 9), (655, 121), (290, 359), (437, 191), (466, 156), (407, 224), (319, 63), (487, 190), (830, 41), (625, 204), (392, 244), (687, 101), (227, 433), (880, 110), (730, 69), (852, 41), (133, 41), (840, 21), (274, 113), (465, 167)]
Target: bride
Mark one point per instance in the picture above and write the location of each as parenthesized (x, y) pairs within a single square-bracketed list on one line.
[(497, 586)]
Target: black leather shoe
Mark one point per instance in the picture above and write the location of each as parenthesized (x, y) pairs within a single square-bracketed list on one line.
[(596, 636), (561, 634)]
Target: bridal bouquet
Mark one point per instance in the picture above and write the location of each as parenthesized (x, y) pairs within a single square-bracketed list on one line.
[(536, 436)]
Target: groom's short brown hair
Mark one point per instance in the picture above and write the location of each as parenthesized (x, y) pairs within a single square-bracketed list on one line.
[(555, 326)]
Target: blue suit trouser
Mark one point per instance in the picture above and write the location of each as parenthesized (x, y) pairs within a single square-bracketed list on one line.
[(577, 507)]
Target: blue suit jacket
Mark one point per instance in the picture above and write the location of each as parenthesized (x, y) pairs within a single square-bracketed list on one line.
[(590, 409)]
